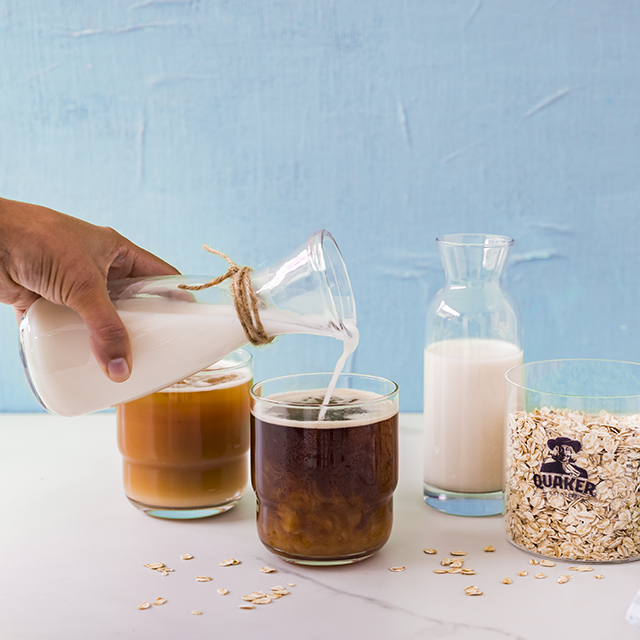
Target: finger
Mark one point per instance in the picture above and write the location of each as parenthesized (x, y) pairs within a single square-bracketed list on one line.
[(22, 302), (108, 336), (134, 262), (147, 264)]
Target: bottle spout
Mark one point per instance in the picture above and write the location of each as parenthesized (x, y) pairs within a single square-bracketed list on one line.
[(311, 281)]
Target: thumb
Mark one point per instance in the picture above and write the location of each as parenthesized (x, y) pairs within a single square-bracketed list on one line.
[(107, 334)]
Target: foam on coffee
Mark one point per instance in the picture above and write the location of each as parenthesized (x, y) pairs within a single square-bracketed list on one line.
[(348, 408)]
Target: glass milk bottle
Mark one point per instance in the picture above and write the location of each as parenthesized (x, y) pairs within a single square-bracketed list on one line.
[(473, 337), (177, 331)]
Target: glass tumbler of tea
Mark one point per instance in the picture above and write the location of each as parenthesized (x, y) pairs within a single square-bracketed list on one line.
[(185, 449), (324, 474)]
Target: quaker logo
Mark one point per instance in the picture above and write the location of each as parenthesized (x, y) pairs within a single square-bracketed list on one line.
[(561, 472)]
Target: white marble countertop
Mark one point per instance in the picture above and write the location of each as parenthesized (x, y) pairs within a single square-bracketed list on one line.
[(73, 551)]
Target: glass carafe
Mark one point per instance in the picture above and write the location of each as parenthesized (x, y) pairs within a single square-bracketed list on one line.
[(175, 333), (473, 337)]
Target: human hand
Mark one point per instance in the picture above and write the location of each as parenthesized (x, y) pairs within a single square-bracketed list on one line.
[(68, 261)]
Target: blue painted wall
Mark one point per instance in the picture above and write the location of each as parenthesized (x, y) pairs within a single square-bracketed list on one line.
[(248, 124)]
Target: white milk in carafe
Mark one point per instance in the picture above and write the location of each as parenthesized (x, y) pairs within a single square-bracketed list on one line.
[(170, 339), (465, 401)]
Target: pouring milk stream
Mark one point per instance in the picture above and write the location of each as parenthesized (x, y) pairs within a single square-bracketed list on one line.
[(175, 333)]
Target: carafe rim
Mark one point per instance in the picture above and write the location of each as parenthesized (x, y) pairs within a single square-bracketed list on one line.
[(486, 240)]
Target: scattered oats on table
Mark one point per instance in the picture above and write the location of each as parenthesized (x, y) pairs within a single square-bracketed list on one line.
[(466, 571), (547, 563), (229, 562), (446, 562), (195, 612), (186, 556), (267, 570), (144, 605), (489, 548), (160, 567), (260, 597), (204, 578), (222, 591), (250, 597), (523, 573), (158, 601), (598, 576), (506, 580), (562, 579), (396, 569), (440, 571), (540, 576), (430, 552), (458, 553), (473, 591)]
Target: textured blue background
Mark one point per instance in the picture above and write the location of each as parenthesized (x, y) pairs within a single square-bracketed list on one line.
[(249, 124)]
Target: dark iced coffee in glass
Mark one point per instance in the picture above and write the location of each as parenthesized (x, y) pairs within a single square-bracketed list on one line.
[(325, 483)]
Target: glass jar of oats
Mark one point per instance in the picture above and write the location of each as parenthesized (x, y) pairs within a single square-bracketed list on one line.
[(572, 482)]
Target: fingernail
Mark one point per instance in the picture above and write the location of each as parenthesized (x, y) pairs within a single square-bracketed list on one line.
[(118, 370)]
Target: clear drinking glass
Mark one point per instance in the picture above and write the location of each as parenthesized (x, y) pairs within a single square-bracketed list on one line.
[(473, 337), (573, 459), (185, 449), (175, 333), (324, 486)]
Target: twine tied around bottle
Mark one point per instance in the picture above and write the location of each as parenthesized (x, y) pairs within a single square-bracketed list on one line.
[(245, 300)]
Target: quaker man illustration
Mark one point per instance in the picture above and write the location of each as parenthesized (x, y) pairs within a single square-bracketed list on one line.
[(563, 451)]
